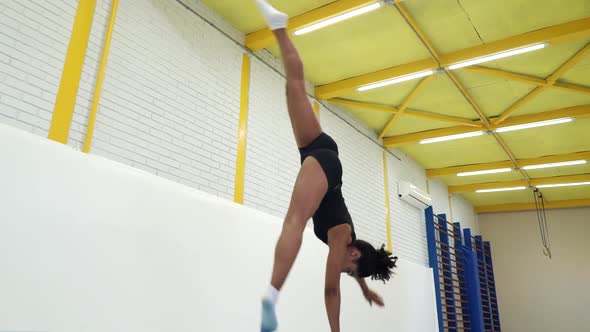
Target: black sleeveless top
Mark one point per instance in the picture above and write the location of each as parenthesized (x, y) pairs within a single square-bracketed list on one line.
[(332, 212)]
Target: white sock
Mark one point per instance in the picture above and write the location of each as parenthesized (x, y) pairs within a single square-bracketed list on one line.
[(274, 18), (272, 294)]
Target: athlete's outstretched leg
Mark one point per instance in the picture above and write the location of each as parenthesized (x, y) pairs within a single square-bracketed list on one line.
[(311, 184), (310, 187), (303, 120)]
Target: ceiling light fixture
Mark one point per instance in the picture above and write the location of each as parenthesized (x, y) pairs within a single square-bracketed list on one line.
[(499, 189), (496, 56), (534, 125), (397, 80), (565, 163), (338, 18), (451, 137), (563, 185), (489, 171)]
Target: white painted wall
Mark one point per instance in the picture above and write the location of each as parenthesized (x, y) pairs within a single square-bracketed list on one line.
[(170, 106), (536, 293), (91, 244)]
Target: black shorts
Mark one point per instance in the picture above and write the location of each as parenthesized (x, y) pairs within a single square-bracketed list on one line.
[(332, 210), (325, 150)]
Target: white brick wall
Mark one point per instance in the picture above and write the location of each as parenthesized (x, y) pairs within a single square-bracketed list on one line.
[(90, 73), (175, 111), (408, 230), (272, 158), (439, 192), (170, 106), (362, 187), (464, 213), (34, 37)]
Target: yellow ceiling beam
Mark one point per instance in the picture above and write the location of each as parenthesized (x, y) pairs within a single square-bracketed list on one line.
[(402, 108), (466, 188), (401, 140), (470, 100), (521, 102), (525, 79), (569, 64), (505, 75), (574, 203), (485, 122), (444, 118), (438, 172), (408, 112), (518, 183), (404, 12), (264, 38), (551, 80), (572, 87), (367, 106), (346, 86), (556, 34), (575, 30), (578, 112)]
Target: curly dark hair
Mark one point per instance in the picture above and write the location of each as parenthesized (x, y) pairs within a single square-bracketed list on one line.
[(376, 263)]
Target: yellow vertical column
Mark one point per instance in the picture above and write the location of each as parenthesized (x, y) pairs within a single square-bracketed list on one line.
[(242, 131), (316, 109), (387, 209), (100, 79), (65, 102)]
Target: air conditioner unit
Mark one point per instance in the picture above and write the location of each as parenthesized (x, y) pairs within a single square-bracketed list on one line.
[(413, 195)]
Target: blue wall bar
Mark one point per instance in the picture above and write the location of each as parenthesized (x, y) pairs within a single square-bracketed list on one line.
[(433, 261), (449, 289), (466, 290), (473, 284), (458, 245), (483, 278)]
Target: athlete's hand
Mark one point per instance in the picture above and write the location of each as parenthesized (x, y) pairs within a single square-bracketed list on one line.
[(374, 297)]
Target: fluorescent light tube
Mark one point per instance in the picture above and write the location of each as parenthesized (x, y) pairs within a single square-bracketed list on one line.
[(565, 163), (338, 18), (451, 137), (497, 56), (534, 125), (489, 171), (499, 189), (563, 185), (397, 80)]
